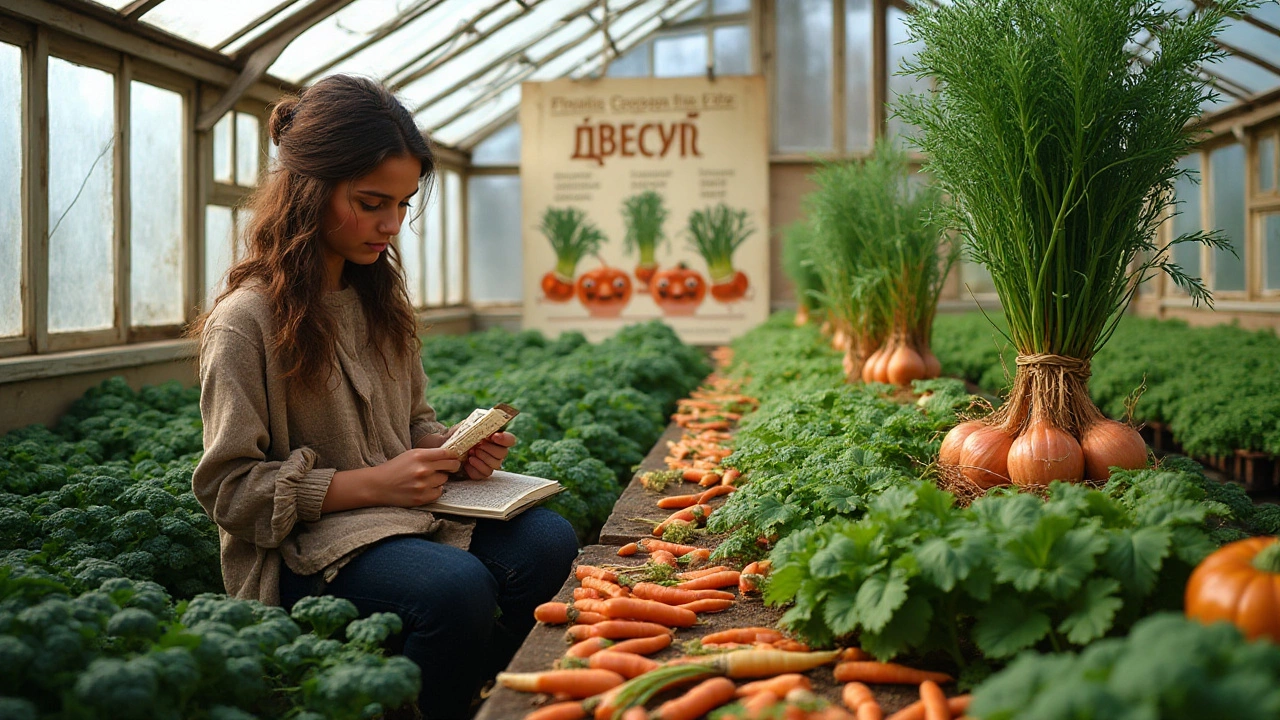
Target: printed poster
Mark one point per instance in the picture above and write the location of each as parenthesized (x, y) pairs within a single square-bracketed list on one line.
[(645, 198)]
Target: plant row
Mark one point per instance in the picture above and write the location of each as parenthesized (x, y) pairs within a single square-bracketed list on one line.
[(1216, 388)]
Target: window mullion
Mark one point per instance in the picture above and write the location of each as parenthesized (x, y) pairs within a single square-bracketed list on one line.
[(36, 188), (123, 213)]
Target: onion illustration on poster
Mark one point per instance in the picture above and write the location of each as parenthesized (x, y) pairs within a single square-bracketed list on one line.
[(645, 198)]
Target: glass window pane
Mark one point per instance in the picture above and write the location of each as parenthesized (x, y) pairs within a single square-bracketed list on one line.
[(857, 73), (680, 55), (632, 63), (729, 7), (733, 50), (222, 165), (203, 22), (409, 242), (1271, 249), (500, 148), (433, 250), (453, 237), (695, 12), (802, 107), (155, 206), (1226, 166), (217, 250), (1187, 189), (10, 190), (974, 278), (1267, 163), (495, 258), (246, 149), (82, 132), (244, 217), (901, 48)]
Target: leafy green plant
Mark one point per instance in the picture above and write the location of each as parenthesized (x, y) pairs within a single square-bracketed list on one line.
[(716, 233), (643, 214), (801, 266), (572, 237)]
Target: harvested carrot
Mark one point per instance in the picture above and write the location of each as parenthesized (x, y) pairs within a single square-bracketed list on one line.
[(957, 705), (870, 711), (700, 555), (693, 475), (571, 710), (604, 586), (726, 578), (586, 571), (590, 605), (650, 544), (628, 550), (711, 478), (790, 645), (690, 575), (698, 701), (764, 663), (676, 596), (635, 713), (869, 671), (757, 703), (583, 617), (696, 514), (747, 580), (855, 694), (588, 647), (581, 593), (675, 502), (644, 645), (553, 613), (779, 685), (573, 683), (853, 653), (649, 610), (616, 629), (715, 492), (935, 701), (731, 476), (662, 557), (743, 635), (707, 605), (626, 664)]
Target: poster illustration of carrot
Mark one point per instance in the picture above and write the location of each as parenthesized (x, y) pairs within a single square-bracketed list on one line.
[(643, 214), (571, 236), (716, 232)]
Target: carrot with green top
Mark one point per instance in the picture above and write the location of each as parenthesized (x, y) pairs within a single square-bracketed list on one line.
[(696, 515), (628, 665), (662, 557), (638, 691), (649, 611), (725, 578), (650, 544), (700, 555), (575, 684), (698, 701), (878, 673)]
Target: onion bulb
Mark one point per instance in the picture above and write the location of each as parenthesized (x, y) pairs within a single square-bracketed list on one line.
[(984, 457), (953, 443), (838, 340), (1108, 444), (1044, 453), (932, 366), (881, 372), (904, 366), (849, 363), (869, 366), (802, 315)]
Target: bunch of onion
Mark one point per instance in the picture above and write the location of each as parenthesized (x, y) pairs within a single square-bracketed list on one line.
[(643, 215), (800, 267), (1059, 149)]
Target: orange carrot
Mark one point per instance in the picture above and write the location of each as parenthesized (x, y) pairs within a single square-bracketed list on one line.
[(617, 629), (571, 710), (700, 555), (644, 645), (675, 502), (628, 665), (707, 605), (650, 544), (635, 713), (649, 610), (698, 701), (711, 478), (693, 475), (574, 683), (586, 571), (853, 653), (856, 694), (935, 701), (870, 711), (676, 596), (699, 573), (756, 704), (581, 593), (662, 557), (588, 647), (957, 705), (743, 635), (696, 515), (604, 586), (731, 476), (583, 617), (764, 663), (715, 492), (552, 613), (790, 645), (747, 581), (725, 578), (779, 685), (628, 550), (590, 605), (868, 671)]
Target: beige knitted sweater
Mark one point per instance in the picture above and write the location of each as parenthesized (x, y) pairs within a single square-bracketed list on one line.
[(271, 448)]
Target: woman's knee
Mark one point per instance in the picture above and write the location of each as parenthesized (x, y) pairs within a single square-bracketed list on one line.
[(553, 532)]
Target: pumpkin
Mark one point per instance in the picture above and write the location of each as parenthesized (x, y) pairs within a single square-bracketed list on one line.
[(1239, 583), (604, 291), (644, 276), (732, 288), (679, 290), (556, 287)]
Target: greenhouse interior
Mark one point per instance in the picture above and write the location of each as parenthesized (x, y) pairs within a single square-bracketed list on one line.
[(640, 359)]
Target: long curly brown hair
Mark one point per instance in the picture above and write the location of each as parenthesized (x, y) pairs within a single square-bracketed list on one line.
[(335, 131)]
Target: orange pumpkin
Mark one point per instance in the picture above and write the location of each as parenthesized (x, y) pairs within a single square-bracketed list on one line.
[(604, 291), (679, 290), (733, 288), (556, 287), (1239, 583)]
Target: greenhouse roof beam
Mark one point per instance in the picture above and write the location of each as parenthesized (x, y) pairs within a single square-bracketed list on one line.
[(263, 51), (138, 8), (406, 16), (467, 27), (264, 17), (505, 85), (1260, 24), (1246, 55), (513, 54)]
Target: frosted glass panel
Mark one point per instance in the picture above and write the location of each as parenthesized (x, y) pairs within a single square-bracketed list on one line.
[(155, 206), (1226, 166), (246, 149), (728, 7), (453, 236), (857, 73), (10, 190), (222, 160), (433, 251), (1271, 249), (409, 241), (495, 259), (500, 148), (244, 217), (1267, 163), (802, 109), (680, 55), (901, 48), (81, 198), (1187, 189), (733, 50), (217, 250), (632, 63), (974, 278), (204, 22)]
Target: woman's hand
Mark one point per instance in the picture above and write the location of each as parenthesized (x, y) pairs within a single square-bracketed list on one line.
[(415, 477), (488, 455)]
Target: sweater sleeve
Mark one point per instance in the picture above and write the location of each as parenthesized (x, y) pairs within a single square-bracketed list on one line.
[(249, 497), (422, 417)]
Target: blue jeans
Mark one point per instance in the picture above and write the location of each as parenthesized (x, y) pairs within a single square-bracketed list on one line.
[(465, 612)]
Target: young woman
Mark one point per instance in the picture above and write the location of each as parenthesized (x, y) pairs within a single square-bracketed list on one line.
[(320, 446)]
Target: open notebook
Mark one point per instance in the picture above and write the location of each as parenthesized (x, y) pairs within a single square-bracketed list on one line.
[(501, 496)]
